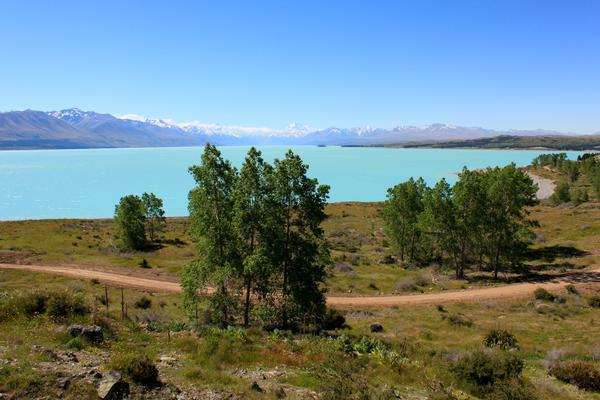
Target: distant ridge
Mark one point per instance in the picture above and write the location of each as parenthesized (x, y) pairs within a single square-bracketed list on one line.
[(74, 128)]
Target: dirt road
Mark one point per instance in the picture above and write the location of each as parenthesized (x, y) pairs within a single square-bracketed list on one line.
[(516, 290)]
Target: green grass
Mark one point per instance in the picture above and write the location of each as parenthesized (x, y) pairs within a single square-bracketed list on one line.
[(226, 361)]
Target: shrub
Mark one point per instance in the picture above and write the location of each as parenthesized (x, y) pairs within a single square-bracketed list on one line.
[(406, 285), (137, 367), (543, 294), (583, 374), (177, 326), (500, 338), (333, 320), (484, 369), (144, 264), (143, 303), (561, 194), (515, 389), (594, 301), (63, 304), (54, 303), (571, 289), (457, 319)]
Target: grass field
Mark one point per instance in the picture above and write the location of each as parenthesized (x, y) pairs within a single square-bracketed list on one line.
[(424, 341), (567, 237)]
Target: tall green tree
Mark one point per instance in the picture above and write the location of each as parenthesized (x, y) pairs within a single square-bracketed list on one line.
[(130, 218), (250, 221), (471, 206), (401, 212), (155, 215), (296, 243), (509, 192), (211, 207)]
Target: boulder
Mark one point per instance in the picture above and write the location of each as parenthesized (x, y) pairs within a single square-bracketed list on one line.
[(280, 393), (254, 386), (376, 327), (92, 333), (113, 387)]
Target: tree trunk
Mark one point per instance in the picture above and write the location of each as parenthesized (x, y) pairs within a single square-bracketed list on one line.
[(247, 302)]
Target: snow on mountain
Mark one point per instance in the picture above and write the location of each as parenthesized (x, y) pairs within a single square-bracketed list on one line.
[(77, 128)]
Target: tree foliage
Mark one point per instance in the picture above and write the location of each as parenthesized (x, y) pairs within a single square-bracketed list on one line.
[(259, 239), (482, 220), (155, 215), (130, 218)]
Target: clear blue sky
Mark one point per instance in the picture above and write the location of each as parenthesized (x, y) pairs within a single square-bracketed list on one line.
[(496, 64)]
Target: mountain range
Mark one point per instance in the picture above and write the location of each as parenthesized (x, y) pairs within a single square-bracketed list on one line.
[(74, 128)]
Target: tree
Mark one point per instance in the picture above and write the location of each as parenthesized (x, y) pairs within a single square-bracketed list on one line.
[(562, 194), (211, 228), (155, 214), (509, 192), (401, 211), (250, 222), (130, 219), (296, 243), (470, 203)]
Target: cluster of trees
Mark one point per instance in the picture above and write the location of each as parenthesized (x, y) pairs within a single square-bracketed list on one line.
[(480, 221), (262, 253), (586, 166), (139, 220)]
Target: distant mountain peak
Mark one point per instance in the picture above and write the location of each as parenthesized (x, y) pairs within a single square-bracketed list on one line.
[(74, 127)]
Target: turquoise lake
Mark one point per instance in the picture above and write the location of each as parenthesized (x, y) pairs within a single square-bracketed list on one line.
[(88, 183)]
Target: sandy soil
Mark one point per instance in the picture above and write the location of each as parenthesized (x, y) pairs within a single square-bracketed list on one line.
[(150, 283), (545, 186)]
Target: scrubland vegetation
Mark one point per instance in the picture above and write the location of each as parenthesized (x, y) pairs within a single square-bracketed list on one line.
[(223, 344)]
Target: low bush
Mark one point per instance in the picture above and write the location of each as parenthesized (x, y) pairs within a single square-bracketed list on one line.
[(137, 367), (515, 389), (457, 319), (54, 303), (583, 374), (501, 338), (483, 370), (543, 294), (571, 289), (333, 320), (143, 303), (594, 301)]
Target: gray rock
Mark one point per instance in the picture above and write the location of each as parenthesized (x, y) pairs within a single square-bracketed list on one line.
[(254, 386), (280, 393), (376, 327), (92, 333), (64, 382), (112, 387)]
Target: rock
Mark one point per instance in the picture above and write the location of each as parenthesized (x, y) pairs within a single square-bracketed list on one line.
[(254, 386), (112, 387), (543, 308), (64, 382), (280, 393), (94, 373), (92, 333), (376, 327)]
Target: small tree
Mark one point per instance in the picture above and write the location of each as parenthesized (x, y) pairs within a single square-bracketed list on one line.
[(561, 194), (211, 208), (155, 215), (130, 218)]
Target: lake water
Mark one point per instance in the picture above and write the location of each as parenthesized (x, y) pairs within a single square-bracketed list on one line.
[(88, 183)]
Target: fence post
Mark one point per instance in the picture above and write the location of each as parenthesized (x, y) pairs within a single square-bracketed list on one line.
[(122, 304), (106, 296)]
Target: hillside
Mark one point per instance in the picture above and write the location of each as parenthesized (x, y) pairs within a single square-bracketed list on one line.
[(150, 348), (74, 128), (546, 142)]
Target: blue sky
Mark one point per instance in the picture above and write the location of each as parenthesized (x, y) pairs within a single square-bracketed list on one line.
[(496, 64)]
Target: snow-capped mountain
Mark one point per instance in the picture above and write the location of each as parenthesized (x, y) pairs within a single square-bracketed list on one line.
[(74, 128)]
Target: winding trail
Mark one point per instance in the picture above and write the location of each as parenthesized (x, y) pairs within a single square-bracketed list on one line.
[(509, 291)]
